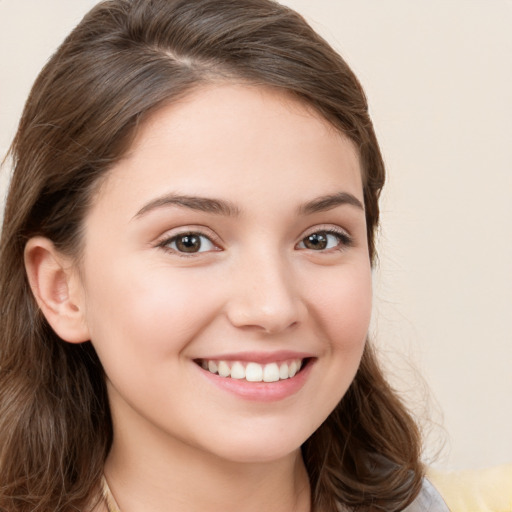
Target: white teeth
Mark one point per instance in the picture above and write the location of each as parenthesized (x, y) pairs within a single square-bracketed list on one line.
[(223, 369), (253, 372), (271, 372), (237, 371), (292, 370), (283, 371)]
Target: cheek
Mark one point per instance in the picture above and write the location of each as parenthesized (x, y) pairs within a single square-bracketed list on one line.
[(340, 310), (342, 305), (141, 328), (147, 312)]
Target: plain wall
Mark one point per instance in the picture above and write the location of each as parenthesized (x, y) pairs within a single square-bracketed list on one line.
[(438, 75)]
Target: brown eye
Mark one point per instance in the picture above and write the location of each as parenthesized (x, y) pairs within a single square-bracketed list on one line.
[(325, 240), (316, 241), (190, 243)]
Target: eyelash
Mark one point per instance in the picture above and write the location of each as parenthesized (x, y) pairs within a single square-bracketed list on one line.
[(166, 242), (344, 241)]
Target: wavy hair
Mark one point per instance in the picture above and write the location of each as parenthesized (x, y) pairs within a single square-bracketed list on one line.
[(122, 62)]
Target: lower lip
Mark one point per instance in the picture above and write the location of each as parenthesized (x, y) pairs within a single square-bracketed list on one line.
[(261, 391)]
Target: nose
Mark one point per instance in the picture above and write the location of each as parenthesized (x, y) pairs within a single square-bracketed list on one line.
[(265, 296)]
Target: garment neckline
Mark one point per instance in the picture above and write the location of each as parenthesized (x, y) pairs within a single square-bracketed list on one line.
[(110, 501)]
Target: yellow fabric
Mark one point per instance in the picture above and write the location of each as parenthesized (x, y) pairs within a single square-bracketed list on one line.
[(485, 490)]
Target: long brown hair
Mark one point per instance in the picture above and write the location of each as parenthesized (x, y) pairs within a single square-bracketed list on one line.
[(122, 62)]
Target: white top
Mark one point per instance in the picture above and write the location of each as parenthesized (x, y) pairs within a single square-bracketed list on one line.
[(428, 500)]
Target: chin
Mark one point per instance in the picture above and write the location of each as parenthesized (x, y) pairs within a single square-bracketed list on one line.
[(262, 447), (256, 455)]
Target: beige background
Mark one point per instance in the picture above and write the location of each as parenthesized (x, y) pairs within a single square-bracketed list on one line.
[(438, 74)]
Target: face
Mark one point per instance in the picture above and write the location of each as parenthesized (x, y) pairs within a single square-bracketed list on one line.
[(226, 275)]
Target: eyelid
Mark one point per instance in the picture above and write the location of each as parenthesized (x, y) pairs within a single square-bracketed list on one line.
[(327, 228), (165, 239), (346, 240)]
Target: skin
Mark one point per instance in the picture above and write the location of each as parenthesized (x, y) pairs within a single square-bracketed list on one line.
[(255, 286)]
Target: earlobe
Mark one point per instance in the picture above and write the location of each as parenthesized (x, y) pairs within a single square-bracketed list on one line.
[(57, 289)]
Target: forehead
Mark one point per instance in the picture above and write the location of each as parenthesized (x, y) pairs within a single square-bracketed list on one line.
[(223, 105), (240, 139)]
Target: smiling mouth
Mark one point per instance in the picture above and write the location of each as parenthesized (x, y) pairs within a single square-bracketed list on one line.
[(252, 371)]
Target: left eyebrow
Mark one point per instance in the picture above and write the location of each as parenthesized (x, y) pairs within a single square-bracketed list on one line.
[(202, 204), (324, 203)]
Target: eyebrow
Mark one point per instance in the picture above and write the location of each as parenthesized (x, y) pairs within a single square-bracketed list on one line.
[(202, 204), (222, 207), (325, 203)]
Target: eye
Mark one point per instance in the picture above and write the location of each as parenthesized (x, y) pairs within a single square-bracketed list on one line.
[(189, 243), (325, 240)]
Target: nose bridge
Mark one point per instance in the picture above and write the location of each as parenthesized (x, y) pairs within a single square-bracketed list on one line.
[(265, 292)]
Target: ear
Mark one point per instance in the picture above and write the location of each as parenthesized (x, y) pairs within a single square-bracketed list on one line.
[(56, 286)]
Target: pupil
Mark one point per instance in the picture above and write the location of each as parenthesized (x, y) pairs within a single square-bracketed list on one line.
[(188, 243), (316, 241)]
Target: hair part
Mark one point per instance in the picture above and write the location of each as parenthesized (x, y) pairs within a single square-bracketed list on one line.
[(126, 59)]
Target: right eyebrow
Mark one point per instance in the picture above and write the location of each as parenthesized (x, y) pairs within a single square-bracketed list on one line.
[(198, 203), (324, 203)]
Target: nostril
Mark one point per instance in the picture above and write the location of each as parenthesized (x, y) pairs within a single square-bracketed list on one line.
[(263, 320), (265, 297)]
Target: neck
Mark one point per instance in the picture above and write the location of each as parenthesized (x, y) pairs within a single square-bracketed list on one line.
[(158, 476)]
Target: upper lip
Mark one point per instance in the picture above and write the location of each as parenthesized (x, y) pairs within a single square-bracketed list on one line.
[(259, 357)]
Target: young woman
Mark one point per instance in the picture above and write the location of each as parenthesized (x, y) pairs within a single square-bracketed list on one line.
[(185, 274)]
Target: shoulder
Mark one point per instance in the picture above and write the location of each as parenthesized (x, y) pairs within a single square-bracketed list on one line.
[(484, 490), (428, 500)]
